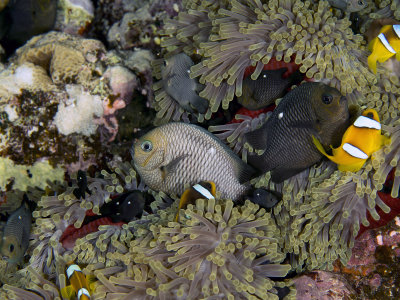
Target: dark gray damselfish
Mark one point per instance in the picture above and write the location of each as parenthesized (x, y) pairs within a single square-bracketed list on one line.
[(178, 84), (268, 87), (285, 139)]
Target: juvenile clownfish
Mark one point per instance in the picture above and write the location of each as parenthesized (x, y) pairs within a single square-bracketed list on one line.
[(203, 189), (79, 284), (358, 143), (384, 46)]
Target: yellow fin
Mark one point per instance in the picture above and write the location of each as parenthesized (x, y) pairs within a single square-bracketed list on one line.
[(68, 292), (319, 146), (372, 62)]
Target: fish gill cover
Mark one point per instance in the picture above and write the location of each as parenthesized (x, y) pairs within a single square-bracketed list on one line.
[(218, 248)]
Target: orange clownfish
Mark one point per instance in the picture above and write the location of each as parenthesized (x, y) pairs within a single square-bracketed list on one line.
[(384, 46), (79, 284), (358, 143), (203, 189)]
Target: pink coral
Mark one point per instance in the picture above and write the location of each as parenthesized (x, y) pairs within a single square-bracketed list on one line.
[(109, 120)]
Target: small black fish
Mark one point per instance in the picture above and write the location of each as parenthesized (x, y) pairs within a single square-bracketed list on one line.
[(178, 84), (284, 142), (125, 207), (356, 22), (82, 189), (268, 87), (265, 198)]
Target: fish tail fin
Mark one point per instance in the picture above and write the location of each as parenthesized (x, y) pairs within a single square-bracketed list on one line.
[(200, 104), (296, 77), (28, 202), (372, 62), (68, 292), (319, 146)]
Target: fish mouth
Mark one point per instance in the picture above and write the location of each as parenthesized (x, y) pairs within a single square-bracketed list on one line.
[(148, 159)]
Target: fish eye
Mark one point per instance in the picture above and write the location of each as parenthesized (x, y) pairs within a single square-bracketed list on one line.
[(11, 247), (360, 2), (327, 99), (370, 115), (146, 146)]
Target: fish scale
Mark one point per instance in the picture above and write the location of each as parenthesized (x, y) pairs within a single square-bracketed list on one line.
[(200, 155), (286, 137)]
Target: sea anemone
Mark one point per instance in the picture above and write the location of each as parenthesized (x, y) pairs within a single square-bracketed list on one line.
[(182, 34), (233, 133), (36, 288), (214, 249), (322, 209), (56, 213), (251, 33)]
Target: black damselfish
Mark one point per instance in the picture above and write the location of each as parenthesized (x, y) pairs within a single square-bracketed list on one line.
[(284, 143)]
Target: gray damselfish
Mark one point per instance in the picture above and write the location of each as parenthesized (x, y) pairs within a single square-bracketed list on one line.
[(174, 156), (178, 84)]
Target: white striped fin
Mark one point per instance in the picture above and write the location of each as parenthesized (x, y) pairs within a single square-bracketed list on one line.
[(83, 291), (367, 122), (354, 151), (71, 269), (385, 43), (396, 29), (203, 191)]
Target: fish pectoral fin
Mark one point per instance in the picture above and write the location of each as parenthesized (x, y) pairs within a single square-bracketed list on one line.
[(257, 139), (171, 167), (68, 292), (398, 55), (319, 146)]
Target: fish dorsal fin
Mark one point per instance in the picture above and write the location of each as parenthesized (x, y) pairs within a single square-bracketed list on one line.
[(171, 166), (281, 71)]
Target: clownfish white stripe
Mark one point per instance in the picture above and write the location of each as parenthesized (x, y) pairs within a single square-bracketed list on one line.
[(203, 191), (354, 151), (385, 43), (83, 291), (396, 29), (367, 122), (71, 269)]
